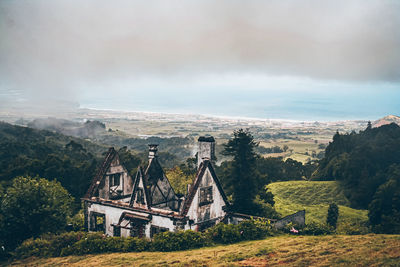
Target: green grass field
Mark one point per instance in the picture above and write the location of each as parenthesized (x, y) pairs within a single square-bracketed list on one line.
[(315, 197), (336, 250)]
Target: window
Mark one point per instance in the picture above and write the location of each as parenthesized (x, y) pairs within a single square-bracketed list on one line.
[(206, 195), (156, 229), (117, 231), (97, 222), (115, 188), (139, 196), (137, 228), (115, 179)]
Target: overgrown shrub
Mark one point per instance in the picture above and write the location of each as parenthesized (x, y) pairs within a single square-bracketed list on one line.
[(246, 230), (76, 222), (255, 229), (314, 228), (135, 244), (224, 233), (169, 241), (48, 245), (93, 243), (347, 228), (81, 243)]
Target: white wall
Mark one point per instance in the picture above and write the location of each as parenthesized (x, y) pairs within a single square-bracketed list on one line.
[(196, 212), (112, 215)]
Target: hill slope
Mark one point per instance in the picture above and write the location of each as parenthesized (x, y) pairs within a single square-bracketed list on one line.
[(366, 250), (315, 197), (387, 120)]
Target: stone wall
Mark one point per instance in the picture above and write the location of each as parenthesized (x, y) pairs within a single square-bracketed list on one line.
[(298, 218)]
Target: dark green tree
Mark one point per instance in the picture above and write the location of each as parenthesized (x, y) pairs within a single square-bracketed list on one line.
[(130, 161), (384, 209), (32, 206), (333, 215), (243, 177)]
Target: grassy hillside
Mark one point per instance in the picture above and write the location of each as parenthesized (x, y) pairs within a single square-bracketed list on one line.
[(315, 197), (367, 250)]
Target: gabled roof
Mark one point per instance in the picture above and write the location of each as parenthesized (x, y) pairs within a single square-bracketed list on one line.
[(154, 172), (140, 175), (111, 154), (206, 164), (155, 176)]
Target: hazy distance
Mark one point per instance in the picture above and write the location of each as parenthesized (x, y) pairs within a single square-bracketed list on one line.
[(306, 60)]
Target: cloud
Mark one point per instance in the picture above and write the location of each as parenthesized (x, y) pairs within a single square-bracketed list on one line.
[(60, 45)]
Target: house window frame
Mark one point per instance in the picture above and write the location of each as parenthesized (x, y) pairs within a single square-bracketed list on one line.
[(117, 230), (111, 183), (206, 195), (137, 228), (94, 226), (112, 179)]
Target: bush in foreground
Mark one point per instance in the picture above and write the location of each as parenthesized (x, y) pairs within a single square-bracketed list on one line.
[(81, 243), (182, 240), (314, 228)]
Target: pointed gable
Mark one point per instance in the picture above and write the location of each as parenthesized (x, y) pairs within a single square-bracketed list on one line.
[(206, 197), (101, 172), (161, 193), (140, 194), (112, 180)]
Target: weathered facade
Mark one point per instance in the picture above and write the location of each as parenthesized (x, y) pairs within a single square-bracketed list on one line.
[(121, 205)]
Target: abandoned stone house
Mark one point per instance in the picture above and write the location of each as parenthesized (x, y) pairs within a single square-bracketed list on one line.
[(121, 205)]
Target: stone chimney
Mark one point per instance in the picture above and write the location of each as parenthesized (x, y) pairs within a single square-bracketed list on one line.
[(206, 149), (153, 151)]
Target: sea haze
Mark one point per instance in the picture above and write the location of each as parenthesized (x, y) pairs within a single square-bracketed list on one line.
[(339, 103)]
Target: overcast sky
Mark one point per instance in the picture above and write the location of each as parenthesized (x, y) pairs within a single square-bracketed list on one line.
[(125, 54)]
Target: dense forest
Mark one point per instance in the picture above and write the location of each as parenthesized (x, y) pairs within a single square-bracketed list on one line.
[(29, 152), (72, 161), (368, 165), (173, 150)]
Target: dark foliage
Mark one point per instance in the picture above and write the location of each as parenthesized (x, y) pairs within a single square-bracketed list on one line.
[(29, 152), (182, 240), (33, 206), (130, 161), (242, 178), (362, 161), (384, 209), (333, 215), (368, 165), (246, 230), (314, 228)]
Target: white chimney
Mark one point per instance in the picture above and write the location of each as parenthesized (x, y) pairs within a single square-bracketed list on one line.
[(206, 149), (152, 151)]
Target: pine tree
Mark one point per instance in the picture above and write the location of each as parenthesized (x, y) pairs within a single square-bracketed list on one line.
[(243, 177), (333, 214)]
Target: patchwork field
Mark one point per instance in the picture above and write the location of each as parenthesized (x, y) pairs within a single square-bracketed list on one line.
[(315, 197), (340, 250)]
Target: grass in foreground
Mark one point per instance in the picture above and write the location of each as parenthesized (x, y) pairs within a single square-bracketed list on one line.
[(340, 250), (315, 197)]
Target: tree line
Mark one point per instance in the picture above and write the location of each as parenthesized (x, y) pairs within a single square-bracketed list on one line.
[(368, 165)]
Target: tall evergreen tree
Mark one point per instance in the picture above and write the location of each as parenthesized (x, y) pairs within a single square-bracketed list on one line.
[(333, 215), (243, 177)]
